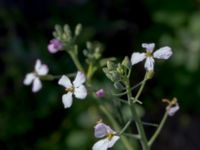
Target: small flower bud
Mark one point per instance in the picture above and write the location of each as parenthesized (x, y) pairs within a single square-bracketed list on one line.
[(78, 29), (54, 46), (100, 93), (126, 63)]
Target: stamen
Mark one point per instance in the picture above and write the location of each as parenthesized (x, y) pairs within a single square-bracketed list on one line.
[(71, 89), (110, 136)]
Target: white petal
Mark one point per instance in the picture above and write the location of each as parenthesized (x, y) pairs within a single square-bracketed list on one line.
[(43, 70), (80, 79), (80, 92), (65, 81), (37, 85), (163, 53), (29, 78), (149, 64), (149, 47), (137, 57), (113, 141), (101, 145), (38, 64), (67, 100)]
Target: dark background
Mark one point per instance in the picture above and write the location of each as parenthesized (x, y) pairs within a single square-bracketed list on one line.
[(38, 121)]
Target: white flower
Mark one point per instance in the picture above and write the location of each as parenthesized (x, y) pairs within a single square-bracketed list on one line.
[(77, 88), (34, 77), (162, 53), (103, 130)]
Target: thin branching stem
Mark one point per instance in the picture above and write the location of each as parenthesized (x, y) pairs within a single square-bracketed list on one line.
[(157, 132)]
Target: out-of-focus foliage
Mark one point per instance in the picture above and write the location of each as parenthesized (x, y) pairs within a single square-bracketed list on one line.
[(39, 121)]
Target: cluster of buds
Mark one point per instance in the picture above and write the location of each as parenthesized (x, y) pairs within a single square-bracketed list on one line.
[(118, 72), (93, 52), (63, 39)]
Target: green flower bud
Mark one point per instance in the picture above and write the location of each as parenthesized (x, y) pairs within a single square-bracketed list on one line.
[(58, 30), (89, 45), (110, 65), (78, 29), (126, 63)]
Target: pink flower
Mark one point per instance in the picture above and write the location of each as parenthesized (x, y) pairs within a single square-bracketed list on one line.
[(100, 93), (54, 46)]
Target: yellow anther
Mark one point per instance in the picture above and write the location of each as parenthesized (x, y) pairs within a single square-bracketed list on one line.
[(71, 89), (148, 54), (110, 136)]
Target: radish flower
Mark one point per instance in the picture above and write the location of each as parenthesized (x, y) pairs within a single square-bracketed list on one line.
[(162, 53), (103, 130), (34, 77), (77, 88)]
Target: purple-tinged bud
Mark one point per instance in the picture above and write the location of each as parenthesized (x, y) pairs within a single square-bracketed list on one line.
[(100, 93), (54, 46)]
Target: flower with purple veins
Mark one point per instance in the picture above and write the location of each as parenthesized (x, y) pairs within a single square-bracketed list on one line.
[(162, 53), (54, 46), (34, 77), (77, 88), (103, 130)]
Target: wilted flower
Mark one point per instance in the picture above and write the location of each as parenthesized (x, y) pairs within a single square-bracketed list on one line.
[(77, 88), (162, 53), (172, 106), (34, 77), (103, 130), (100, 93), (54, 46)]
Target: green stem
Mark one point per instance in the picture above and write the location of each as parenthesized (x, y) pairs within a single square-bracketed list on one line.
[(138, 122), (125, 127), (76, 61), (141, 87), (155, 135), (90, 71), (135, 136), (117, 127)]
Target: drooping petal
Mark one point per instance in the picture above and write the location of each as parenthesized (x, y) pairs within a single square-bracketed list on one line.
[(37, 85), (29, 78), (163, 53), (43, 70), (38, 64), (137, 57), (113, 141), (149, 47), (149, 64), (67, 100), (65, 81), (171, 110), (80, 92), (80, 79), (101, 145), (100, 130)]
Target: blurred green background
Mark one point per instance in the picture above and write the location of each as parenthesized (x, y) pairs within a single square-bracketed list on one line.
[(39, 121)]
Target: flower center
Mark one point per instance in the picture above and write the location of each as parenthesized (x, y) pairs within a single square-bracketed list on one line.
[(70, 89), (110, 136), (148, 54)]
